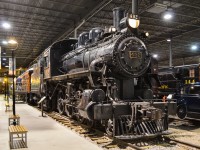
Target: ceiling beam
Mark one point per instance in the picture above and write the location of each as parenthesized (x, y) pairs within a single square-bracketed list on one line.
[(187, 24), (37, 28), (38, 7), (69, 4), (18, 31), (45, 20), (98, 8), (36, 14), (176, 36), (38, 24)]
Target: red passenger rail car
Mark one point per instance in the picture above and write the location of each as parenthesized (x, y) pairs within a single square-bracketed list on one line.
[(23, 86)]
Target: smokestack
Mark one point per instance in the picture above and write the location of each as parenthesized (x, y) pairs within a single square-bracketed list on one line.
[(135, 7), (118, 14)]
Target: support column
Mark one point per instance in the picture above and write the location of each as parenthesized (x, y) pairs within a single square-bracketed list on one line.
[(170, 53), (13, 77)]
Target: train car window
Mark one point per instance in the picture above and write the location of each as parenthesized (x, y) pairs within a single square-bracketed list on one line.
[(171, 77), (191, 73), (161, 77), (46, 61)]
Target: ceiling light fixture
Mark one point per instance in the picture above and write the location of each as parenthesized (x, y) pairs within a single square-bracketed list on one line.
[(168, 14), (12, 42), (155, 56), (168, 40), (6, 25), (194, 47), (4, 42)]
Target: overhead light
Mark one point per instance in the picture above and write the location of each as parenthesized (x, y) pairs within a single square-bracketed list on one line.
[(155, 56), (12, 42), (4, 53), (194, 47), (168, 14), (6, 66), (168, 40), (4, 42), (3, 58), (6, 25), (157, 8)]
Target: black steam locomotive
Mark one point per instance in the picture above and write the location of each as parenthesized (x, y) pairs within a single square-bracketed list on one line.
[(105, 77)]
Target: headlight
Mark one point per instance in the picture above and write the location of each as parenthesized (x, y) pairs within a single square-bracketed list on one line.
[(133, 22)]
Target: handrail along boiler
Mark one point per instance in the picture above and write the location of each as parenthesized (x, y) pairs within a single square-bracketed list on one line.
[(100, 78)]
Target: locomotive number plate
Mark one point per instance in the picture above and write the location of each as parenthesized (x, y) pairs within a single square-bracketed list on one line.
[(134, 54)]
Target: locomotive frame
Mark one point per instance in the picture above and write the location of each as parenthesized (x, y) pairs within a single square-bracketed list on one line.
[(106, 79)]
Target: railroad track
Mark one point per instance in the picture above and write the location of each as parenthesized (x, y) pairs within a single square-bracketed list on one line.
[(102, 140), (93, 135), (183, 143)]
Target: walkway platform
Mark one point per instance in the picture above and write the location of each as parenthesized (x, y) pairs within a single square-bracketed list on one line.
[(43, 133)]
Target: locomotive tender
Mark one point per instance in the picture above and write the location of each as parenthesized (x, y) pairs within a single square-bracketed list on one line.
[(101, 77)]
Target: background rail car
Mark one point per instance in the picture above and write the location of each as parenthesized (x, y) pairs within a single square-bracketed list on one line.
[(106, 76), (175, 78), (183, 82), (23, 86)]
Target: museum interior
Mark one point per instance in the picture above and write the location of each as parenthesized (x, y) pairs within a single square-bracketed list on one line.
[(100, 74)]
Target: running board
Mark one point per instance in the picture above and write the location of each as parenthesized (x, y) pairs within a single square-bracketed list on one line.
[(71, 75)]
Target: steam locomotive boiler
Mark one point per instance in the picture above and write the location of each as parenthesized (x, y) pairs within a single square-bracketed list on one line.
[(101, 79)]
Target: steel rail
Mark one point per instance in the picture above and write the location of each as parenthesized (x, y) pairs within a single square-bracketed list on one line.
[(183, 142)]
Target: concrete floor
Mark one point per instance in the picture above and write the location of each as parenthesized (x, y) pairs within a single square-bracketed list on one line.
[(44, 133)]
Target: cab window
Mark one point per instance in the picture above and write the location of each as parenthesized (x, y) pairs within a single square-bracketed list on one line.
[(46, 61)]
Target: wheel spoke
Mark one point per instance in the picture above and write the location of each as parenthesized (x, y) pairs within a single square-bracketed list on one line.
[(109, 127), (60, 103), (69, 111)]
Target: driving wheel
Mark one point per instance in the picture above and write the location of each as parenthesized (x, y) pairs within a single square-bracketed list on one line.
[(60, 103)]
